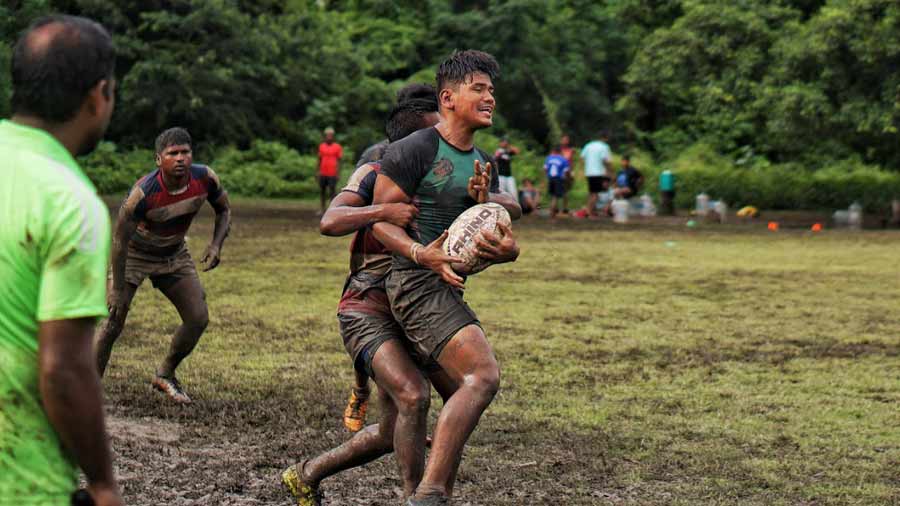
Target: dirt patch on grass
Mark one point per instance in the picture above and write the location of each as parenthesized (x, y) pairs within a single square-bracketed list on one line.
[(232, 454)]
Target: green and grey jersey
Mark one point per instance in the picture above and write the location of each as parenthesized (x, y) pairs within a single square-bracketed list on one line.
[(435, 175)]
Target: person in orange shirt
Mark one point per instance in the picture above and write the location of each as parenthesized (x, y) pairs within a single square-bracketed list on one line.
[(330, 153)]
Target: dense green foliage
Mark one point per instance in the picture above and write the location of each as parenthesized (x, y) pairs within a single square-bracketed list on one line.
[(787, 87)]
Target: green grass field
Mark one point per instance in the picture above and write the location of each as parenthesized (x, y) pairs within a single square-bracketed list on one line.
[(644, 365)]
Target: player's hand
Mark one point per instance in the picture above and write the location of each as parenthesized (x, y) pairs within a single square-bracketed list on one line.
[(105, 495), (210, 258), (115, 302), (497, 249), (399, 214), (434, 258), (480, 182)]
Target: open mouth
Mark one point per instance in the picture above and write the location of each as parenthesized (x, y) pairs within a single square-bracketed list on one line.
[(486, 109)]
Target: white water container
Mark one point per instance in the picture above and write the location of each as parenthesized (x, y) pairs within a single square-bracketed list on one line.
[(647, 207), (620, 210), (721, 209), (854, 215), (702, 204)]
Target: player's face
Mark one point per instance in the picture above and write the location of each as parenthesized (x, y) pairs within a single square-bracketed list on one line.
[(564, 140), (474, 101), (329, 137), (175, 160)]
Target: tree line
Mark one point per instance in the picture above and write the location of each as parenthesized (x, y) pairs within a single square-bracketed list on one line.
[(759, 82)]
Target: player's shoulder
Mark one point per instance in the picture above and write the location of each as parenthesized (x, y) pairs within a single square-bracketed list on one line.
[(363, 171), (149, 183), (424, 139)]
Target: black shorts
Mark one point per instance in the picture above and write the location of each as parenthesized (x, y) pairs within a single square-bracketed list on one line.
[(365, 319), (430, 311), (557, 187), (328, 182), (597, 184)]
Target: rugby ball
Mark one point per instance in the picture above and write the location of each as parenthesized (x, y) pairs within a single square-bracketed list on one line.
[(461, 235)]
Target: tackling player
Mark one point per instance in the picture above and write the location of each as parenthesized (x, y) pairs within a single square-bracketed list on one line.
[(149, 243), (431, 168), (370, 333)]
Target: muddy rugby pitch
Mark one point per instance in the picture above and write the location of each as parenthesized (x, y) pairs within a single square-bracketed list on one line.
[(649, 364)]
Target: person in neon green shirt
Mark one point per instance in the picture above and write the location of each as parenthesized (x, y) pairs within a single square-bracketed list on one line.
[(54, 249)]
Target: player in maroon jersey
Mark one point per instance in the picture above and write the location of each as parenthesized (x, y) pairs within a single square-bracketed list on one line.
[(148, 242)]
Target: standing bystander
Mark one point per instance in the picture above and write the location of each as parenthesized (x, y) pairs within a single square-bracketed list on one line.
[(330, 154), (504, 155)]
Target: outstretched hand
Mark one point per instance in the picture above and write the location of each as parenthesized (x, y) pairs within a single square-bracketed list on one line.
[(210, 258), (480, 182), (497, 249), (434, 258)]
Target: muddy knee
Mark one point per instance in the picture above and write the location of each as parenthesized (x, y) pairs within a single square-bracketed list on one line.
[(485, 383), (414, 398), (197, 319)]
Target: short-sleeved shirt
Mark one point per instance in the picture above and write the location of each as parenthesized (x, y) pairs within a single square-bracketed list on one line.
[(329, 154), (366, 252), (628, 178), (435, 174), (54, 251), (504, 161), (594, 153), (164, 217), (373, 153), (556, 166)]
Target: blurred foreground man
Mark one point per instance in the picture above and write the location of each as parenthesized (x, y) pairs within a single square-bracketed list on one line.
[(54, 247), (149, 243)]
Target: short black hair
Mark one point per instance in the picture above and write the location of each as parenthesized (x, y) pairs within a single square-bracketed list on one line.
[(172, 137), (557, 148), (462, 64), (415, 90), (406, 117), (54, 67)]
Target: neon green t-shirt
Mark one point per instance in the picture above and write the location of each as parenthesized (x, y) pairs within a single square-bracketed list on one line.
[(54, 248)]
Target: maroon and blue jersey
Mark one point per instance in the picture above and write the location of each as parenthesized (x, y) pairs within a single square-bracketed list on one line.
[(165, 216), (366, 252), (369, 259)]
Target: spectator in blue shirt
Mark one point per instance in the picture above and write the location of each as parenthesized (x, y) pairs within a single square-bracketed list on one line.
[(557, 168)]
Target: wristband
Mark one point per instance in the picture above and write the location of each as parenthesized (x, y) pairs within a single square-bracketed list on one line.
[(414, 252)]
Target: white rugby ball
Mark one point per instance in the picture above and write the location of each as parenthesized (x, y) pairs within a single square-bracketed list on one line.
[(461, 235)]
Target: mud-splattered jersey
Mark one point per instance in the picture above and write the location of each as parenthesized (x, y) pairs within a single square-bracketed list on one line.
[(54, 250), (164, 217), (435, 175), (366, 252)]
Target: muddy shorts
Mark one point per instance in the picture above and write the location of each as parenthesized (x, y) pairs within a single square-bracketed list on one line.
[(365, 318), (162, 271), (430, 310)]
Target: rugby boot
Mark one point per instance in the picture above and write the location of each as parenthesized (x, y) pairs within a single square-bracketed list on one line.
[(355, 412), (305, 495), (172, 388)]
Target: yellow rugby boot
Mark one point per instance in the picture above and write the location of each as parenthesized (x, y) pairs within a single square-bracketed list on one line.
[(303, 493)]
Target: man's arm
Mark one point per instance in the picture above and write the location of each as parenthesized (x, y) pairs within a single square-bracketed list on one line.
[(126, 224), (397, 240), (72, 398), (510, 203), (486, 179), (212, 256), (348, 213)]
